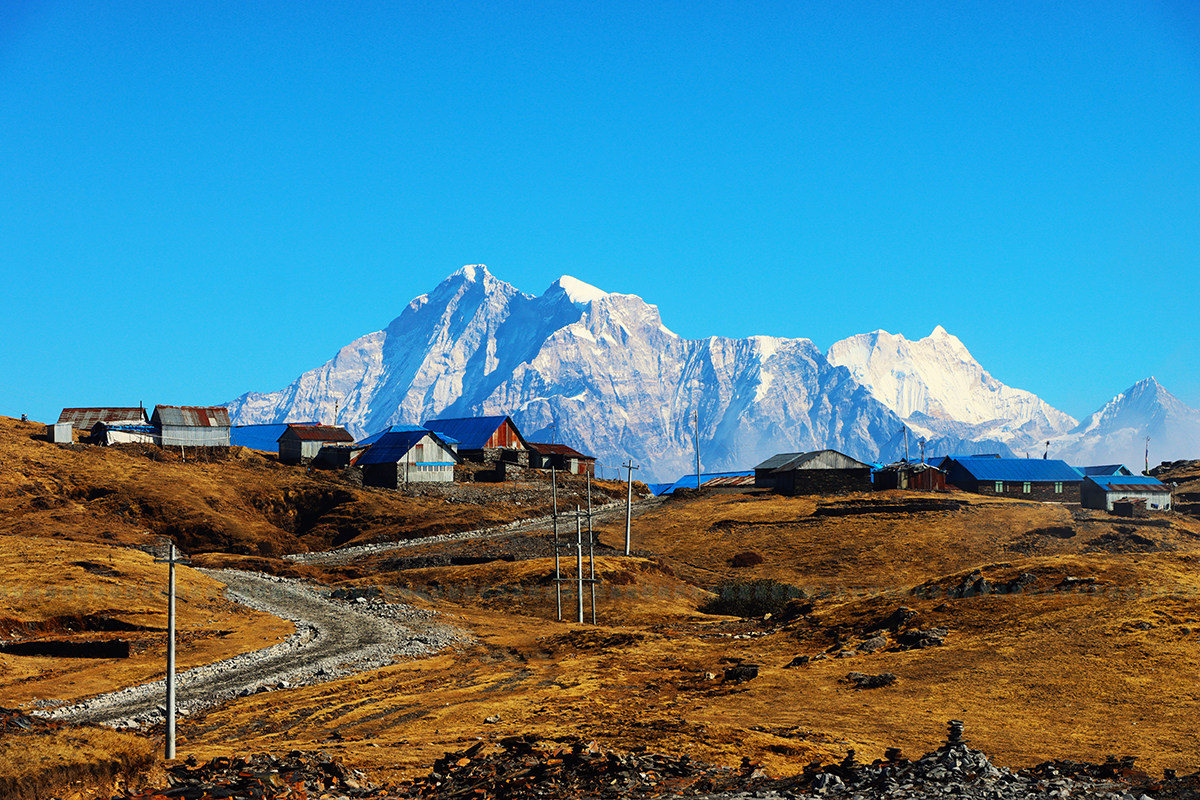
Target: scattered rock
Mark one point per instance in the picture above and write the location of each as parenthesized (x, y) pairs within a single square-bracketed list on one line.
[(864, 681), (739, 673), (872, 644), (917, 640), (798, 661)]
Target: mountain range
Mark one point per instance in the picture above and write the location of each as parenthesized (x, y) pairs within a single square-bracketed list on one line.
[(601, 372)]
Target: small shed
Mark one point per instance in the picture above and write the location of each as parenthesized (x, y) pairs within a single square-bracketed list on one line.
[(919, 477), (1102, 491), (816, 472), (567, 459), (192, 426), (484, 440), (721, 482), (84, 419), (60, 433), (396, 459), (300, 443)]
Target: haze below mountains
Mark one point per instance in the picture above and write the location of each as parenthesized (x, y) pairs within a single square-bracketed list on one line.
[(599, 371)]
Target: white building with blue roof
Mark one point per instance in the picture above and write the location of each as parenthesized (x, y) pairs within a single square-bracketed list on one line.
[(403, 455)]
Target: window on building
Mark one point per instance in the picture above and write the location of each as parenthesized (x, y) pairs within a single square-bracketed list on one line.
[(999, 487), (1058, 487), (1026, 487)]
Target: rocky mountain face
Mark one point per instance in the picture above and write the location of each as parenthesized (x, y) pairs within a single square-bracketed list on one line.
[(600, 372), (1117, 433), (943, 394)]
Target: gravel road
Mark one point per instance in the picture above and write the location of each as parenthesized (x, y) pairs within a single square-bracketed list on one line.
[(333, 638), (348, 555)]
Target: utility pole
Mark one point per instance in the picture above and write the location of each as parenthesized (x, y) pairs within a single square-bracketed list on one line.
[(579, 562), (554, 516), (591, 547), (628, 501), (171, 561), (1146, 471), (697, 415)]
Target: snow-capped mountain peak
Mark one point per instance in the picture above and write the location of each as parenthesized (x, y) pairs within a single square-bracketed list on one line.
[(578, 292), (938, 386)]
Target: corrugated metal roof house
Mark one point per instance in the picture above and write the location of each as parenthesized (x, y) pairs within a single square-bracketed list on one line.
[(84, 419), (1101, 491), (300, 442), (192, 426), (914, 476), (1047, 480), (484, 439), (396, 458), (815, 472), (736, 481), (543, 455)]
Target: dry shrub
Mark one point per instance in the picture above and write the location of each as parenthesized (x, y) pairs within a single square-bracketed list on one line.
[(750, 558)]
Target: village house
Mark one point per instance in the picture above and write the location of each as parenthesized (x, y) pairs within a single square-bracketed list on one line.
[(816, 472), (85, 419), (403, 455), (1105, 491), (1046, 480), (561, 457), (913, 476), (299, 443), (484, 440), (192, 426)]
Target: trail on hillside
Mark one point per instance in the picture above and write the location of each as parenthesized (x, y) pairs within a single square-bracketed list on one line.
[(332, 639), (348, 555)]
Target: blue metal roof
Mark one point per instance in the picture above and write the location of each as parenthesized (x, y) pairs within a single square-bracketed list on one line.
[(260, 437), (1017, 469), (1119, 482), (374, 437), (472, 433), (689, 481), (391, 446), (1106, 469)]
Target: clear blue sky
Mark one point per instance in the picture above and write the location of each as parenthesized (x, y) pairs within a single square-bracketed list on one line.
[(202, 199)]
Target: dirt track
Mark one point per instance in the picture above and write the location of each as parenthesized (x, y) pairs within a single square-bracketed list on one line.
[(332, 638)]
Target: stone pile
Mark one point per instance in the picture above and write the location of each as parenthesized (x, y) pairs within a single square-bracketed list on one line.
[(525, 768)]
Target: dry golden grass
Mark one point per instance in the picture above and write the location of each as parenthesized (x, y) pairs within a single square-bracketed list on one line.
[(50, 587), (1047, 673), (71, 762), (1051, 672)]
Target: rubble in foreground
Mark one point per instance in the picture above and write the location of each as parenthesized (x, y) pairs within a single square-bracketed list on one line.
[(522, 768)]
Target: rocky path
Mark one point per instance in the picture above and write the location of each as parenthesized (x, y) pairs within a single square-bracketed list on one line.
[(333, 638), (348, 555)]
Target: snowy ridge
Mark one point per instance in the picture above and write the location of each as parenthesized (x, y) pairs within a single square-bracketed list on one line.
[(602, 373)]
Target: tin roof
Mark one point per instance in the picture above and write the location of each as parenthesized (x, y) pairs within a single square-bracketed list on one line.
[(374, 437), (86, 418), (1128, 483), (192, 416), (317, 433), (1016, 469), (391, 446), (260, 437), (471, 432), (558, 450), (786, 462), (1105, 469), (710, 480)]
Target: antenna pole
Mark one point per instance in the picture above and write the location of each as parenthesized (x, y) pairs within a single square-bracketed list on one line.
[(697, 449)]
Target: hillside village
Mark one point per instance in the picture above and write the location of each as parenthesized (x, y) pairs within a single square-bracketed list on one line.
[(953, 585), (493, 449)]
